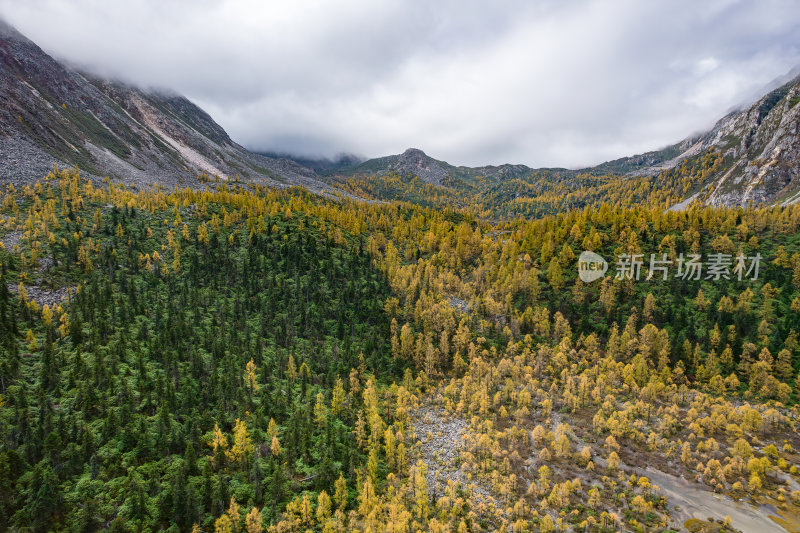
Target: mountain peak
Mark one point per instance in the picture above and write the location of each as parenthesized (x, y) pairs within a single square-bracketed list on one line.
[(414, 152), (415, 161)]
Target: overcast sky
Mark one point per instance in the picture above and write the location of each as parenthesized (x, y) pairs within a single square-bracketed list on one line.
[(545, 83)]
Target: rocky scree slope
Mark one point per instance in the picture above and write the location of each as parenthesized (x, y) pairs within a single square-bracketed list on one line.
[(761, 146), (54, 113)]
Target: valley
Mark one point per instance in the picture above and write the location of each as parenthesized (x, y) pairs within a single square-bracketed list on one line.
[(198, 337), (541, 403)]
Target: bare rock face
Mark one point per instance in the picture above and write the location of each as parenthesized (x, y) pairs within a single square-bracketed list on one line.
[(761, 148), (763, 143), (416, 162), (52, 113)]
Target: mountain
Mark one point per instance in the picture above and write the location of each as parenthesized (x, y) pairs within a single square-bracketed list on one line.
[(760, 144), (54, 113), (433, 171), (321, 165)]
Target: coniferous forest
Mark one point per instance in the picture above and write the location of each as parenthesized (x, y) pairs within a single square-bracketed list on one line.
[(234, 358)]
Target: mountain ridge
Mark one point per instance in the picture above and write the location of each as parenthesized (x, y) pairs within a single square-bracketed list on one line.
[(430, 170), (760, 144), (54, 113)]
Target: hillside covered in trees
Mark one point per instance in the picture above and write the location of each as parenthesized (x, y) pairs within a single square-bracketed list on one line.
[(242, 359), (536, 193)]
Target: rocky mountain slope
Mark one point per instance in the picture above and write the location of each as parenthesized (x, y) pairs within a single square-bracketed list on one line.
[(54, 113), (760, 144), (433, 171)]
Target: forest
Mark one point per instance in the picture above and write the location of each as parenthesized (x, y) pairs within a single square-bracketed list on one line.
[(232, 358), (541, 192)]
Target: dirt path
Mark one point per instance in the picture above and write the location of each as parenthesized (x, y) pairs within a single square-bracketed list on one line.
[(694, 502), (687, 500), (557, 419)]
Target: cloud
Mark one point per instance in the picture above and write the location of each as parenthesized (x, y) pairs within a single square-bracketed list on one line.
[(545, 83)]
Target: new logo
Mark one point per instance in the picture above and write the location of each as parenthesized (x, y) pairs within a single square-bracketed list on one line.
[(591, 267)]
